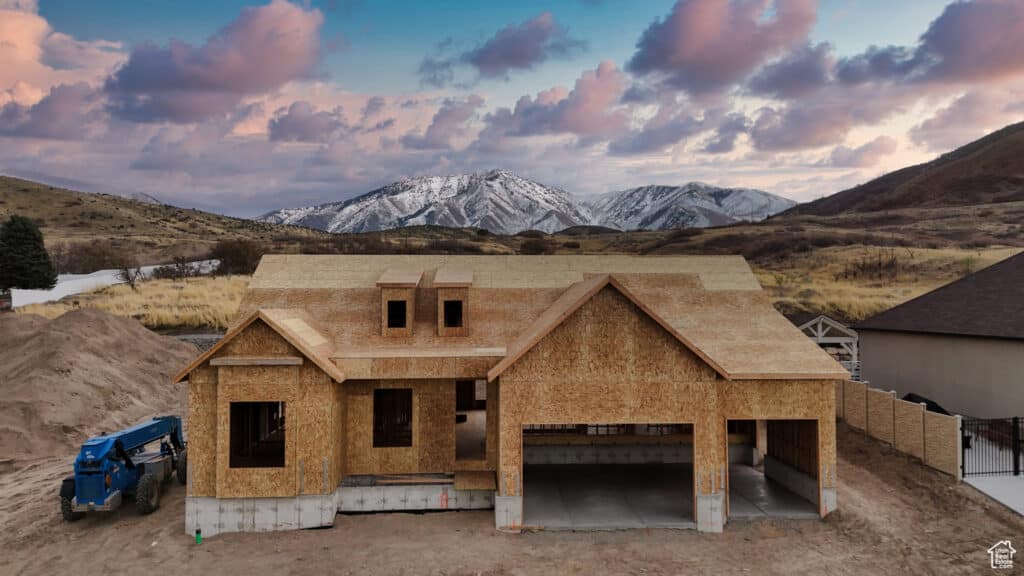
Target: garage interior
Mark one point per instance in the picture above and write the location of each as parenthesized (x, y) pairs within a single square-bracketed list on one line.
[(618, 476), (608, 476), (772, 468)]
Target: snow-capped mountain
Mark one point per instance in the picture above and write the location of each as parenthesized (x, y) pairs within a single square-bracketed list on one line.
[(693, 205), (496, 200), (505, 204)]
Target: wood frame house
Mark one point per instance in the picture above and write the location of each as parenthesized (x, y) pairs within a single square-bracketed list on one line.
[(345, 379)]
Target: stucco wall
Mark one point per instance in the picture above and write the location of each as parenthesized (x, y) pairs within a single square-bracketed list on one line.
[(979, 377)]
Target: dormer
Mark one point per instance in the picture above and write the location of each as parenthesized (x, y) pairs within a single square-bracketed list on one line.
[(453, 301), (397, 301)]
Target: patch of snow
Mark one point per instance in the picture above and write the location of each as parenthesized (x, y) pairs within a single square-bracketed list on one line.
[(71, 284)]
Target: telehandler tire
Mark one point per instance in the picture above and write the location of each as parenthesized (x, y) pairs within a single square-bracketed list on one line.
[(147, 494)]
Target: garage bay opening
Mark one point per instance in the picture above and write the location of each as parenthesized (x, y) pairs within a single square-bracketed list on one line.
[(773, 468), (608, 476)]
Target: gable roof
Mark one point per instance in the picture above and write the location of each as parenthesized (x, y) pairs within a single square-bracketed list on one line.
[(988, 303), (571, 300), (294, 325)]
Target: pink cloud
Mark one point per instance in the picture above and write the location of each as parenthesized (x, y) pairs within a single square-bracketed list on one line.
[(515, 47), (863, 156), (448, 124), (969, 42), (799, 72), (521, 46), (300, 122), (260, 51), (708, 45), (668, 127), (966, 118), (589, 111), (68, 112)]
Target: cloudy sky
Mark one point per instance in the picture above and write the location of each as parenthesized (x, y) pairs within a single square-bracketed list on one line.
[(241, 107)]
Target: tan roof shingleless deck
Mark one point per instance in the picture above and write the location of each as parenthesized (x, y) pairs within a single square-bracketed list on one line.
[(709, 313)]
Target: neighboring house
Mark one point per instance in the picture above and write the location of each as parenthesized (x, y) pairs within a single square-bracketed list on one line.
[(961, 345), (355, 383), (834, 336)]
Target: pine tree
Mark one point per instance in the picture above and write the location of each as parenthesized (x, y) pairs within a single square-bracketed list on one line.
[(24, 262)]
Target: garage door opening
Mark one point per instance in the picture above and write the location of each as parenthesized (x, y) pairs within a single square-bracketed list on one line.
[(608, 476), (773, 468)]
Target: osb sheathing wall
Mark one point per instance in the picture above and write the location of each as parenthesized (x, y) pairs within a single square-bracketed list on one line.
[(433, 429), (855, 408), (908, 427), (460, 294), (399, 368), (941, 442), (880, 414), (397, 294), (312, 462), (202, 431), (610, 363)]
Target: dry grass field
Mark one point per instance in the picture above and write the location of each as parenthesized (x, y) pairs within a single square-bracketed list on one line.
[(206, 302), (849, 282)]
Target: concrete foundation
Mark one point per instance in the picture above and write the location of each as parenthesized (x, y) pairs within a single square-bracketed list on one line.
[(214, 516), (795, 481), (828, 501), (412, 497), (508, 513), (218, 515), (710, 512)]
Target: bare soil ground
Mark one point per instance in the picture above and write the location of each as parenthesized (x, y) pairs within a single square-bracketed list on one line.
[(895, 516)]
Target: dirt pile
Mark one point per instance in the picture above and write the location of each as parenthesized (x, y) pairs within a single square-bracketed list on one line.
[(83, 373)]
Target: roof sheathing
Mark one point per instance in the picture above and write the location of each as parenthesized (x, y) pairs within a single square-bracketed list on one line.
[(284, 271), (294, 326), (713, 302)]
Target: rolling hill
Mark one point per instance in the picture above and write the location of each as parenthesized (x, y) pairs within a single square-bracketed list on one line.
[(989, 170), (155, 232)]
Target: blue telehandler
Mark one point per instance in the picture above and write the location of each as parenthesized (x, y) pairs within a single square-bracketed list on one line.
[(112, 467)]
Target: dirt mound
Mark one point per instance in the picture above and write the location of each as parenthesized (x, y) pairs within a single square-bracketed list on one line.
[(83, 373)]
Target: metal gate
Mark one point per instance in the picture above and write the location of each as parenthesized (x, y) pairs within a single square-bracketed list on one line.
[(992, 447)]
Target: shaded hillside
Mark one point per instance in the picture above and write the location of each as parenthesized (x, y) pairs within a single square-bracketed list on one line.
[(156, 232), (987, 171)]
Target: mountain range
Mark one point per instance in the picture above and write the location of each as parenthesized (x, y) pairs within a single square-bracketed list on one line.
[(505, 203)]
